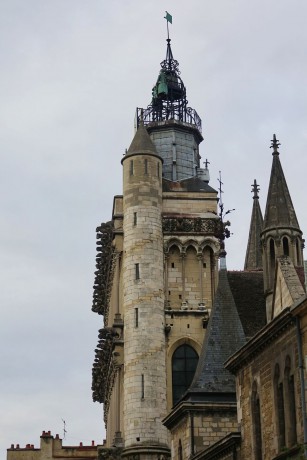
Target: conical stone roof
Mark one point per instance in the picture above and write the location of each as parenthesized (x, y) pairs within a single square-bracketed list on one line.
[(279, 210), (141, 143)]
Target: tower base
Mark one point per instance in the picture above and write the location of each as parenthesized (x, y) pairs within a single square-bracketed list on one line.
[(146, 452)]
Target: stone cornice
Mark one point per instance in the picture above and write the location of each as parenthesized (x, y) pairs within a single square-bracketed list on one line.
[(186, 407), (192, 225), (220, 448)]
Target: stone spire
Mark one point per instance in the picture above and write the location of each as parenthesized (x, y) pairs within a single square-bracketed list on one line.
[(279, 210), (253, 258), (224, 336), (281, 234)]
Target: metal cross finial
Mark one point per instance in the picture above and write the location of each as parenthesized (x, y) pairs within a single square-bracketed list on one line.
[(206, 163), (275, 145), (255, 189)]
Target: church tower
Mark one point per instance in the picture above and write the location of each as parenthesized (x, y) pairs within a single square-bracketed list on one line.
[(281, 234), (157, 273), (174, 128)]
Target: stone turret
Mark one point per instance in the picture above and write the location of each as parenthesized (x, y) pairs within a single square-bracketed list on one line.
[(281, 234), (253, 258), (143, 302)]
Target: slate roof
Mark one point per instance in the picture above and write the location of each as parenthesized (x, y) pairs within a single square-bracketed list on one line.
[(248, 292), (224, 337), (192, 184)]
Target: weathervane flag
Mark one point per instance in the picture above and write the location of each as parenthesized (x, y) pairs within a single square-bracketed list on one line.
[(168, 17)]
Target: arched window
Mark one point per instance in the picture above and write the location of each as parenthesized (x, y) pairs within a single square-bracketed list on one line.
[(285, 246), (290, 404), (272, 261), (280, 411), (256, 419), (298, 253), (180, 450), (184, 364)]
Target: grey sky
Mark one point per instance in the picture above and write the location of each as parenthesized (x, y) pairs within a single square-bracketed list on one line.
[(72, 74)]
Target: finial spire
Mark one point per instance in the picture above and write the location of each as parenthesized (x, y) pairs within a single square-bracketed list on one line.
[(253, 257), (255, 189), (275, 145)]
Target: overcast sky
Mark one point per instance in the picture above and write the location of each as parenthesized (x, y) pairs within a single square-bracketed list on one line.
[(72, 74)]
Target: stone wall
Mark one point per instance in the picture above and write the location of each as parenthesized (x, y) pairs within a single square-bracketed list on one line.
[(260, 373)]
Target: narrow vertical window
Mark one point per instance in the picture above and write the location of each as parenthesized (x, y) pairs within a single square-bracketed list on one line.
[(279, 407), (256, 418), (158, 169), (272, 261), (136, 317), (180, 450), (298, 254), (146, 166), (143, 387), (137, 271), (135, 218), (290, 412), (285, 245), (131, 168)]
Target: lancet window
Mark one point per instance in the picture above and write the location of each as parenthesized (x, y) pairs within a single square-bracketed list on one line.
[(256, 422)]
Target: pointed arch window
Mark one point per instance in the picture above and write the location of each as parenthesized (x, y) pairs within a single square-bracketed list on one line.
[(290, 412), (180, 450), (256, 420), (272, 260), (184, 363), (285, 246), (298, 253), (279, 405)]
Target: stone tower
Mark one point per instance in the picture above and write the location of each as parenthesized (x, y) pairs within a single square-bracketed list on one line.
[(281, 234), (143, 301), (157, 273)]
